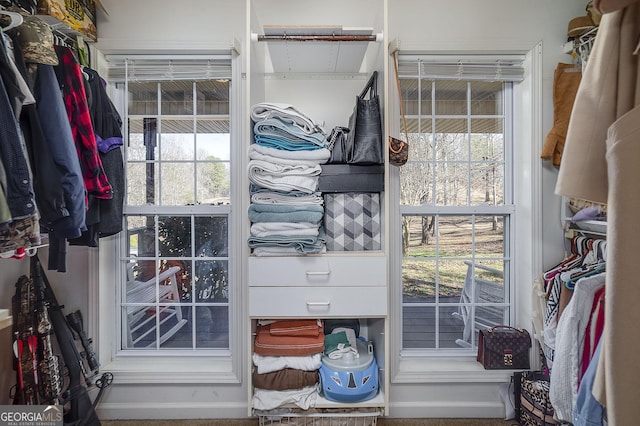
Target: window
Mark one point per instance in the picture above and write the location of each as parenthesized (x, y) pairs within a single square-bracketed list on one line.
[(175, 292), (456, 200)]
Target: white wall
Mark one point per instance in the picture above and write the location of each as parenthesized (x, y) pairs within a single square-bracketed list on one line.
[(147, 26), (152, 26)]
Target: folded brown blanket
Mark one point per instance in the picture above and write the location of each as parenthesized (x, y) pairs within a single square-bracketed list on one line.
[(285, 379)]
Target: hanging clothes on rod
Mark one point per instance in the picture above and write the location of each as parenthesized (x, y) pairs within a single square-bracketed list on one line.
[(573, 318), (54, 151), (54, 160), (18, 214), (586, 254), (104, 216), (570, 337)]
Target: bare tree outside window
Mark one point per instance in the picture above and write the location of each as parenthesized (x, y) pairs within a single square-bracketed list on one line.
[(455, 178)]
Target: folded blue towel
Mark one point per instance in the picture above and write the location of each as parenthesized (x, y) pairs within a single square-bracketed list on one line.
[(286, 213), (276, 128), (283, 144)]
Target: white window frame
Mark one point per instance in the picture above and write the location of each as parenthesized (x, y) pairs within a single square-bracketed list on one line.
[(527, 191), (207, 366)]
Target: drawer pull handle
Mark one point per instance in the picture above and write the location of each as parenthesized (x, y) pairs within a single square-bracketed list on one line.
[(318, 304), (327, 272)]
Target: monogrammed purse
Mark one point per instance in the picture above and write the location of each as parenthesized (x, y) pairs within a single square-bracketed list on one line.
[(504, 348)]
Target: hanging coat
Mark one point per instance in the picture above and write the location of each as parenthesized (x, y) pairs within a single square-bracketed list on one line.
[(600, 163)]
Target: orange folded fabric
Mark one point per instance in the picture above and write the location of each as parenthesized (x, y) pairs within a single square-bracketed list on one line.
[(296, 328), (267, 344)]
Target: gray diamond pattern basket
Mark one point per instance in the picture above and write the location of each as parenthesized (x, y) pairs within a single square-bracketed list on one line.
[(352, 221)]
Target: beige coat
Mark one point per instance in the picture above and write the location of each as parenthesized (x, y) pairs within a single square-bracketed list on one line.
[(601, 162)]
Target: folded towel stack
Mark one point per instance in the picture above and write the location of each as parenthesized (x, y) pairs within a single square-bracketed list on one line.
[(284, 169)]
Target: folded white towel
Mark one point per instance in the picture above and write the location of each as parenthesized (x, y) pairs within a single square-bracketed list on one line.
[(267, 364), (309, 157), (305, 398), (285, 112), (284, 178), (268, 229), (265, 251), (277, 198)]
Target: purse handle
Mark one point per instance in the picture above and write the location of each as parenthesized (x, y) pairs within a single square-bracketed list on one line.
[(334, 135), (404, 121), (372, 86), (520, 330)]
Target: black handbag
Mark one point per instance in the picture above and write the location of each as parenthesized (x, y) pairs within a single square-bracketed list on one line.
[(503, 347), (364, 141), (338, 145)]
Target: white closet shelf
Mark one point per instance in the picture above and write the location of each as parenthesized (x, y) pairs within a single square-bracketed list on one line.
[(64, 28), (591, 227), (325, 48)]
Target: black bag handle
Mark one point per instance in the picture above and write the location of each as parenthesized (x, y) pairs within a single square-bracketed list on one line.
[(371, 86), (334, 135), (520, 330)]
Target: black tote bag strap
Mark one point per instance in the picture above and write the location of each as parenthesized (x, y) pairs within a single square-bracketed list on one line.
[(371, 86), (364, 141)]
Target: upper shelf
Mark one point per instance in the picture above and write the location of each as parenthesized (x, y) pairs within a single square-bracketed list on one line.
[(321, 49), (592, 227)]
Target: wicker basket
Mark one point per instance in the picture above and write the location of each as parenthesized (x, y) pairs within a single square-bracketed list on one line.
[(350, 418), (577, 204)]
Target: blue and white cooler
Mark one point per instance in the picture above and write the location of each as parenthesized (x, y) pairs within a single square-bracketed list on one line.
[(350, 378)]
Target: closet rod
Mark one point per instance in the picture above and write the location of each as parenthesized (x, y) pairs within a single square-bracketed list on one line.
[(573, 232), (310, 37)]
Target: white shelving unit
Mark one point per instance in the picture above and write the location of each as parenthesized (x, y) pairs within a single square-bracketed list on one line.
[(318, 61)]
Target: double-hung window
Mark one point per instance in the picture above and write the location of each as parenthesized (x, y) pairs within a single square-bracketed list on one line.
[(457, 211), (176, 285)]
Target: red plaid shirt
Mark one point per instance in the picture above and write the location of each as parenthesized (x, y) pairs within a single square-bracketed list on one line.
[(75, 99)]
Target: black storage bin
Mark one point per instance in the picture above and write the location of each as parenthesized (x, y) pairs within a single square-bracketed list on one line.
[(351, 178)]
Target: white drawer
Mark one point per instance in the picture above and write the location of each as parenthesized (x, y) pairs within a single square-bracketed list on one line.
[(318, 271), (317, 302)]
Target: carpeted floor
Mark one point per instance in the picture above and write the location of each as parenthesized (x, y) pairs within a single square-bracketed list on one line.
[(250, 422)]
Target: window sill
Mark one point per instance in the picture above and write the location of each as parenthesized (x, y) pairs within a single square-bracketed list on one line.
[(450, 370), (172, 369)]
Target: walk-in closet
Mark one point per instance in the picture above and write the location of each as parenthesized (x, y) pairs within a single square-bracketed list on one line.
[(300, 212)]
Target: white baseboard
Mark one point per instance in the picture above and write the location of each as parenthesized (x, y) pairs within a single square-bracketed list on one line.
[(442, 410), (168, 410)]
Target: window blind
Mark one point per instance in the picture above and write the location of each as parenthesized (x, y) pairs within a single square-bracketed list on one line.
[(149, 68), (460, 67)]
